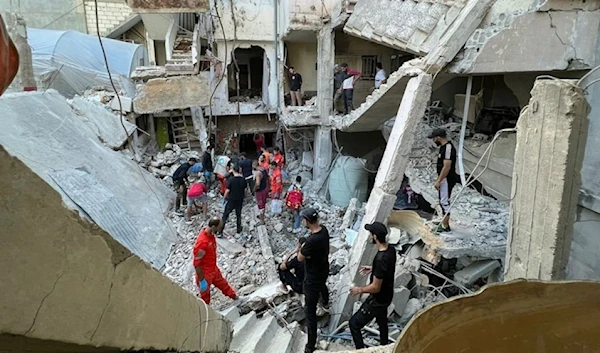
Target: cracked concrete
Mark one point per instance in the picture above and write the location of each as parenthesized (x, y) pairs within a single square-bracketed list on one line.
[(64, 284), (506, 43)]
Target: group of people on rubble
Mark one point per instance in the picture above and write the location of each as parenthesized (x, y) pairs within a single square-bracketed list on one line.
[(305, 270)]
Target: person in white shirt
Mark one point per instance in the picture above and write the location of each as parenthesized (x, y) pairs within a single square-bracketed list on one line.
[(380, 77)]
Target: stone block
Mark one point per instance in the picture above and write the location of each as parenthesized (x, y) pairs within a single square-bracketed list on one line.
[(475, 271), (412, 307), (401, 296), (162, 94), (402, 277)]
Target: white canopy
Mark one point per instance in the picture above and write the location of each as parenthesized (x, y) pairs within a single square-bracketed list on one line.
[(72, 62)]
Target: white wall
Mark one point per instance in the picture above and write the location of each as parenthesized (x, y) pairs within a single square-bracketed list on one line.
[(254, 19)]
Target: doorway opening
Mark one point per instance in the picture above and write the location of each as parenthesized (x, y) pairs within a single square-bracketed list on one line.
[(248, 146)]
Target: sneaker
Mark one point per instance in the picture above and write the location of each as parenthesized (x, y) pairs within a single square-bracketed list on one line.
[(321, 310), (296, 230), (189, 221), (179, 213), (283, 289)]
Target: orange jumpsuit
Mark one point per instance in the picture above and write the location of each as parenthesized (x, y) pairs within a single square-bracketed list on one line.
[(208, 263)]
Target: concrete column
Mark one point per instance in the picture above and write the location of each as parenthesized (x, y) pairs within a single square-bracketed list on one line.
[(550, 146), (323, 153), (383, 196), (326, 58), (17, 30)]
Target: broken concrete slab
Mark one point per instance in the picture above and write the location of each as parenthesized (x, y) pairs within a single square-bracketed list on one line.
[(401, 296), (463, 242), (375, 21), (412, 307), (475, 271), (121, 186), (402, 276), (265, 244), (350, 214), (230, 246), (457, 35), (544, 208), (160, 94), (126, 104)]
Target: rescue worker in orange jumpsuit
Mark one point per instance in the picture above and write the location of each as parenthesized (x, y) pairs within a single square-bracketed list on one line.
[(276, 181), (205, 262)]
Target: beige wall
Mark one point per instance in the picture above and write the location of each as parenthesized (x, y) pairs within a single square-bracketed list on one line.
[(303, 57), (68, 281), (111, 13)]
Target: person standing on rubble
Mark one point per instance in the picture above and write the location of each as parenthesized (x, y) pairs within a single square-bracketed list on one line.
[(246, 165), (278, 157), (338, 78), (276, 181), (207, 164), (205, 262), (234, 197), (179, 183), (259, 141), (196, 193), (381, 289), (348, 87), (295, 86), (447, 177), (293, 279), (314, 253), (260, 189)]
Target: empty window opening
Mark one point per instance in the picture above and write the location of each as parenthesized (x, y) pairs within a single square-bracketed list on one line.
[(248, 75)]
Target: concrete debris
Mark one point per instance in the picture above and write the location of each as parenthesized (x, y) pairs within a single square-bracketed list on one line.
[(412, 307), (401, 297), (475, 271)]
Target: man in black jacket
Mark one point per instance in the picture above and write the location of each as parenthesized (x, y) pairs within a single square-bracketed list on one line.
[(179, 180), (207, 164)]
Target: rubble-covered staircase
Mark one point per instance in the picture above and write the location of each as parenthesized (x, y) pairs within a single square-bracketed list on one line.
[(182, 62), (257, 335)]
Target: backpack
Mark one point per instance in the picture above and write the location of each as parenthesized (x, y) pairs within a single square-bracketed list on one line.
[(294, 199)]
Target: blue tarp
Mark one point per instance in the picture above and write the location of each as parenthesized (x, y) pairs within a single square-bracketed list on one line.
[(72, 62)]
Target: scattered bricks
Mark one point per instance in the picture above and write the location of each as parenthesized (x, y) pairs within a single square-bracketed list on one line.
[(475, 271), (401, 296)]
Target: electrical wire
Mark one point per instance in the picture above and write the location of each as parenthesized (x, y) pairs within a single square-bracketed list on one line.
[(210, 100), (63, 15), (121, 115)]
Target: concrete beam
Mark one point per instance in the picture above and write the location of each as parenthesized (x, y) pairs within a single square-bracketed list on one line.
[(71, 282), (388, 180), (550, 147), (323, 154), (169, 6), (457, 35), (395, 158), (181, 92), (326, 58)]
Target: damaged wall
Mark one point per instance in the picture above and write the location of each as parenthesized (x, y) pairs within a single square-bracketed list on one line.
[(168, 6), (72, 282), (509, 38), (59, 15), (303, 57), (229, 129)]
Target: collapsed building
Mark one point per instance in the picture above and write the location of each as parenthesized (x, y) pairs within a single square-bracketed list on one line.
[(224, 79)]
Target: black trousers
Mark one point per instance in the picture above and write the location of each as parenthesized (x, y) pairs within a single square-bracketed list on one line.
[(312, 291), (237, 206), (181, 190), (348, 95), (363, 316), (287, 277)]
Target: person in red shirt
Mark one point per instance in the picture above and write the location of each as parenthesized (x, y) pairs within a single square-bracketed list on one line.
[(278, 157), (259, 141), (197, 191), (276, 181), (205, 262)]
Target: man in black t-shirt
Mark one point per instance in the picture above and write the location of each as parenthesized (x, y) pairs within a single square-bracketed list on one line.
[(295, 86), (179, 182), (447, 177), (234, 196), (315, 255), (381, 288), (293, 279)]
